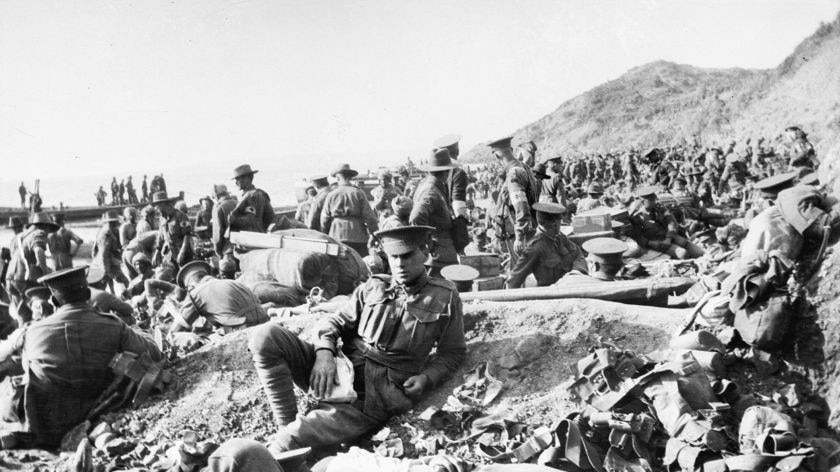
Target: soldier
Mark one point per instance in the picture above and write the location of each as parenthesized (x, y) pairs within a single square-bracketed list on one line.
[(554, 189), (147, 220), (304, 206), (526, 153), (765, 193), (122, 192), (132, 193), (549, 254), (401, 208), (226, 304), (106, 302), (142, 265), (115, 192), (66, 359), (656, 228), (173, 243), (22, 192), (128, 229), (220, 221), (107, 252), (101, 195), (457, 180), (540, 175), (347, 216), (801, 155), (595, 190), (144, 189), (205, 213), (253, 212), (383, 194), (29, 257), (734, 173), (389, 327), (322, 188), (432, 208), (514, 202), (61, 242), (604, 257)]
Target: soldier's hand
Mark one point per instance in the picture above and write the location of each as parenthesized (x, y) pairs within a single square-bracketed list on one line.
[(323, 376), (518, 246), (414, 386)]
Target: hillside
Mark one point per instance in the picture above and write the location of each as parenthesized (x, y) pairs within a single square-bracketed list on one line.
[(663, 103)]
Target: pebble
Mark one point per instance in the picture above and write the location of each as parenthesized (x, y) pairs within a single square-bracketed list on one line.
[(119, 446), (531, 348)]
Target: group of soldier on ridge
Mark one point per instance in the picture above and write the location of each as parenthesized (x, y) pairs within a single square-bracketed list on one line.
[(124, 192), (69, 322)]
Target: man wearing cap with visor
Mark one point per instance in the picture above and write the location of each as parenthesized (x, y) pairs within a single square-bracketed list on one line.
[(432, 208), (604, 257), (253, 212), (388, 326), (656, 228), (174, 243), (549, 255), (517, 195), (457, 179), (66, 357), (347, 215), (765, 193)]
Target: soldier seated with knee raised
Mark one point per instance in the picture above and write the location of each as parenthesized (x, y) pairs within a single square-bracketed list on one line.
[(388, 328)]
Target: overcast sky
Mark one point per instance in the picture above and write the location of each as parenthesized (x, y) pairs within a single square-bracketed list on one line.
[(94, 86)]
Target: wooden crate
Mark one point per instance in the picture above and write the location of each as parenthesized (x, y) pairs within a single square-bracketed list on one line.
[(487, 264), (488, 283), (593, 221)]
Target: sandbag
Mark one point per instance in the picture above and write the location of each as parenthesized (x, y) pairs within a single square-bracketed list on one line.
[(351, 268), (268, 291), (765, 324), (295, 269)]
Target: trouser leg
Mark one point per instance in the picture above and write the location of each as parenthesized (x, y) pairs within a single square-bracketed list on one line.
[(242, 455), (328, 425), (281, 359)]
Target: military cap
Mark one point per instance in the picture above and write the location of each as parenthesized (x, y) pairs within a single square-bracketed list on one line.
[(219, 190), (42, 219), (242, 171), (38, 292), (555, 157), (404, 239), (771, 186), (595, 187), (459, 273), (109, 216), (810, 179), (503, 143), (647, 191), (539, 170), (440, 161), (605, 250), (319, 180), (66, 280), (193, 268), (345, 170), (140, 257), (447, 141), (549, 208), (95, 275), (162, 197), (15, 222)]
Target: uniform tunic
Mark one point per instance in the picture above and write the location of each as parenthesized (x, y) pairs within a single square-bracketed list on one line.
[(347, 216), (107, 252), (431, 208), (253, 212), (172, 235), (225, 303), (457, 191), (24, 262), (553, 190), (382, 197), (548, 258), (518, 193), (313, 218), (221, 223), (106, 302), (67, 355)]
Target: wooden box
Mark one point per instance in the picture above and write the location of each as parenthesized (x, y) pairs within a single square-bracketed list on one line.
[(593, 221), (487, 264), (488, 283)]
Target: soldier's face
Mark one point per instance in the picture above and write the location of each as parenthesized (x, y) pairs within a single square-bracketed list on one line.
[(407, 267)]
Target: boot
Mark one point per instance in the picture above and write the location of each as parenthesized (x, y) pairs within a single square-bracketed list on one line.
[(279, 388)]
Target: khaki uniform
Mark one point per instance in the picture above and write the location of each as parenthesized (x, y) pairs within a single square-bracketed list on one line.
[(106, 302), (457, 192), (128, 231), (348, 217), (389, 331), (224, 303), (313, 218), (221, 223), (553, 190), (513, 207), (23, 268), (175, 230), (431, 208), (253, 212), (382, 198), (66, 356), (548, 258), (107, 253)]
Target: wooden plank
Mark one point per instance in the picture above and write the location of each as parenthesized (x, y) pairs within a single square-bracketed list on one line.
[(256, 240)]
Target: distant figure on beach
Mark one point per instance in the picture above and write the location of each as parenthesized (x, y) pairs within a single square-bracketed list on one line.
[(144, 189), (131, 191), (115, 191), (61, 244), (22, 192), (122, 192), (100, 195)]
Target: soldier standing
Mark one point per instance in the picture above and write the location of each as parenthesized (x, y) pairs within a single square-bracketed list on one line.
[(383, 194), (431, 208), (144, 189), (29, 257), (253, 212), (554, 189), (132, 192), (22, 192), (115, 191), (322, 188), (122, 192), (107, 251), (457, 179), (514, 202), (225, 204), (347, 216), (173, 244), (61, 244)]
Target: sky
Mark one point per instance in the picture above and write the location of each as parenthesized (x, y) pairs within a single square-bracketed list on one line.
[(93, 87)]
